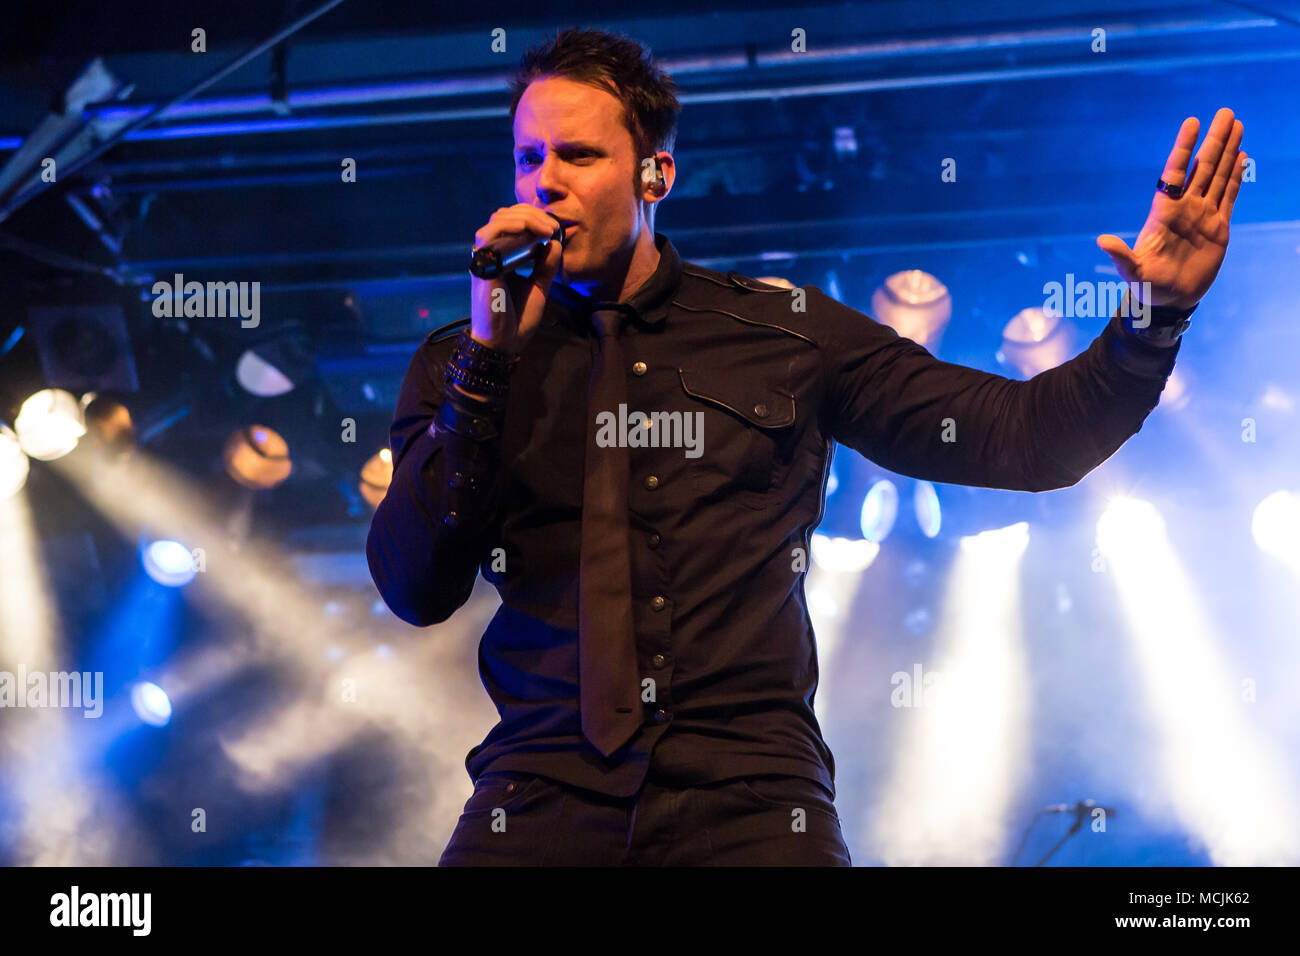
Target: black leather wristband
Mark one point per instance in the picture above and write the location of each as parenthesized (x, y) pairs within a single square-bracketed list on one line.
[(497, 386), (473, 354), (489, 406), (479, 368), (459, 419), (1161, 324)]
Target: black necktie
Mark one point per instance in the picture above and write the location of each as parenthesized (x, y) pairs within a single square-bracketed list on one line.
[(607, 673)]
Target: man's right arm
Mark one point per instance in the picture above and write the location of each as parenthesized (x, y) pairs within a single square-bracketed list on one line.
[(441, 515)]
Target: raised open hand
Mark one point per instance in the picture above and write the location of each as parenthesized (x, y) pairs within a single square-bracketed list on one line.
[(1182, 245)]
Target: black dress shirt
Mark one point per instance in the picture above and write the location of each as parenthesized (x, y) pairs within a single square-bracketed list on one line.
[(722, 625)]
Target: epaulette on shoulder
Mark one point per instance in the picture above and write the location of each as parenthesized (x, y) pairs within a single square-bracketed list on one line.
[(754, 285), (447, 331), (733, 279)]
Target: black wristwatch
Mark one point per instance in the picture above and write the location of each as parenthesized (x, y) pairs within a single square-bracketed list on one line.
[(1165, 323)]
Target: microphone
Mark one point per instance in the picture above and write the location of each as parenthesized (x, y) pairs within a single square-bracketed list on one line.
[(509, 253)]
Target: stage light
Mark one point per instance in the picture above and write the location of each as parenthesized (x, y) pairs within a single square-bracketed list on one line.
[(823, 605), (1227, 784), (1001, 544), (917, 573), (276, 365), (914, 304), (257, 457), (260, 377), (109, 423), (846, 142), (49, 424), (879, 510), (1036, 340), (929, 514), (84, 347), (13, 463), (376, 476), (1275, 526), (1178, 389), (151, 703), (946, 799), (1129, 526), (843, 555), (831, 586), (168, 562), (1278, 399)]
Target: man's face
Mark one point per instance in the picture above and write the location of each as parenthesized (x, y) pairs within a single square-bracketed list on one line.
[(575, 159)]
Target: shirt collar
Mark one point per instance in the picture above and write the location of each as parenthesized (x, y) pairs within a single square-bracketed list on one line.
[(649, 303)]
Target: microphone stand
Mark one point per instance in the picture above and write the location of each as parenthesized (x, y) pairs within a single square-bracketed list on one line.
[(1080, 808)]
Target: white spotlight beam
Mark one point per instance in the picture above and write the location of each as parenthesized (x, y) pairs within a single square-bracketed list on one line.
[(256, 583), (64, 815), (960, 754), (1225, 781)]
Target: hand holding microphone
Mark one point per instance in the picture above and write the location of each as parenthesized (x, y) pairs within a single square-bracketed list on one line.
[(514, 235), (493, 261)]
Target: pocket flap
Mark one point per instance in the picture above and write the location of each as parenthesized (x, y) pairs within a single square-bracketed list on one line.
[(761, 405)]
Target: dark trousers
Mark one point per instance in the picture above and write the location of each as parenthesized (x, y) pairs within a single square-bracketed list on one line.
[(521, 819)]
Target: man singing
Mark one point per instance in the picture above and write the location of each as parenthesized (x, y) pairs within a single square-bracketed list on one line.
[(634, 449)]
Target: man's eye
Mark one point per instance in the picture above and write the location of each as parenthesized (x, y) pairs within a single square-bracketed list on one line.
[(576, 158)]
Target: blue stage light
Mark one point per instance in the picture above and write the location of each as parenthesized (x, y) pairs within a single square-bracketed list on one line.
[(929, 515), (151, 703), (879, 509), (168, 562)]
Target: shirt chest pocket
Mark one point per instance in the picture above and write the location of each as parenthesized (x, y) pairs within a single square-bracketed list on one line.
[(746, 424)]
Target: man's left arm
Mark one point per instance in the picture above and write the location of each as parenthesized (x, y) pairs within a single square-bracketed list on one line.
[(892, 401), (889, 399)]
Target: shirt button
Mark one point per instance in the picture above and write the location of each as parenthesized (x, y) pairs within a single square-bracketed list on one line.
[(652, 482), (638, 368), (661, 716), (658, 602), (760, 410), (451, 519), (654, 540), (510, 788), (658, 660)]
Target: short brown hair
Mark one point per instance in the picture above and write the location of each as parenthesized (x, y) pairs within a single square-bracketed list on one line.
[(617, 63)]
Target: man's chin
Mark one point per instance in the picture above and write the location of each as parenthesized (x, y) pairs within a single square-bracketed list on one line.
[(569, 275)]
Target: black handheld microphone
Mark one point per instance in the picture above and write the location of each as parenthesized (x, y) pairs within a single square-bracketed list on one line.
[(507, 255)]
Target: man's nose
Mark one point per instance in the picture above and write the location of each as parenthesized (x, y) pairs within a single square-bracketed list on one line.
[(549, 184)]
